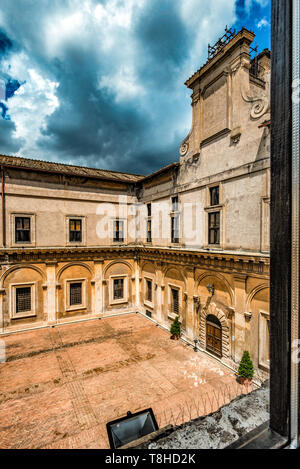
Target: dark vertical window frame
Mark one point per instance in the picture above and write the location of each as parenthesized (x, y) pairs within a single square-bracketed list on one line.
[(295, 332), (23, 299), (75, 230), (118, 289), (281, 211), (283, 427), (22, 229), (118, 231), (76, 294)]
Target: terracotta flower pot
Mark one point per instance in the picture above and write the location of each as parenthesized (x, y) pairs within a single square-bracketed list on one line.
[(245, 381), (174, 337)]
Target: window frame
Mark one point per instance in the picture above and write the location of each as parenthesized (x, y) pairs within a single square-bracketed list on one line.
[(216, 229), (123, 300), (13, 217), (283, 428), (13, 299), (77, 307), (115, 240), (75, 231), (82, 218), (171, 314), (149, 222), (17, 231), (147, 302)]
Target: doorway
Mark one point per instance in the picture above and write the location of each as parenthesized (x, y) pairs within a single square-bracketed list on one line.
[(213, 335)]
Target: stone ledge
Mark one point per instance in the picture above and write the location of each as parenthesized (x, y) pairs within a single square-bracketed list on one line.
[(217, 430)]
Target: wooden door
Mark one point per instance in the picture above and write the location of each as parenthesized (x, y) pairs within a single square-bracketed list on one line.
[(214, 337)]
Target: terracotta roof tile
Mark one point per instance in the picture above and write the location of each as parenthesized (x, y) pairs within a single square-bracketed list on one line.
[(82, 171)]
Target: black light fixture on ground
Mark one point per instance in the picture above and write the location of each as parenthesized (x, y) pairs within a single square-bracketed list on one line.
[(195, 347), (130, 428)]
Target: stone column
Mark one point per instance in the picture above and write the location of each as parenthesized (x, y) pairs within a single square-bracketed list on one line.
[(51, 292), (158, 283), (190, 319), (239, 317), (2, 293), (97, 309), (248, 316), (137, 283)]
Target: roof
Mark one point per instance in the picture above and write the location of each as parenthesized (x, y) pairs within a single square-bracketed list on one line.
[(28, 164), (160, 171), (70, 170)]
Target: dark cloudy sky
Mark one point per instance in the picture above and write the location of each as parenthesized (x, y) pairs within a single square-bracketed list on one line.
[(101, 82)]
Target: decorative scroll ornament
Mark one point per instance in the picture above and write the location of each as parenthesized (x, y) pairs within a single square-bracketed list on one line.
[(260, 104), (184, 147)]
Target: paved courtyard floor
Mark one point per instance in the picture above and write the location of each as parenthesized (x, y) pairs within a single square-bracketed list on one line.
[(60, 386)]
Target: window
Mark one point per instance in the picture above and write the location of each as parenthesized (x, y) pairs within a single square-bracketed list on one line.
[(175, 228), (75, 294), (75, 230), (264, 339), (175, 220), (175, 204), (149, 233), (118, 289), (23, 299), (149, 224), (22, 229), (175, 300), (214, 228), (214, 195), (118, 231), (149, 290)]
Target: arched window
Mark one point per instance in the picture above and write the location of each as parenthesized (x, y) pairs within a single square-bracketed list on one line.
[(213, 335)]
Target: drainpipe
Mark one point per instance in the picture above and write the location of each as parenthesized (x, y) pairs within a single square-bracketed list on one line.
[(3, 207)]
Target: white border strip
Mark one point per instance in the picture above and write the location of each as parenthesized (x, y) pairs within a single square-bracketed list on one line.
[(295, 230)]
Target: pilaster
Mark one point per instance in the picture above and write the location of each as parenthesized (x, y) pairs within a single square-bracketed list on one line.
[(51, 292)]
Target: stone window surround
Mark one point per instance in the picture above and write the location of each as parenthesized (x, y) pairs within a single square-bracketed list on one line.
[(83, 305), (32, 217), (172, 315), (83, 230), (263, 319), (148, 303), (12, 294), (111, 289)]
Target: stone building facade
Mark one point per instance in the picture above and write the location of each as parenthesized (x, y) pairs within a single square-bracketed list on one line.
[(191, 239)]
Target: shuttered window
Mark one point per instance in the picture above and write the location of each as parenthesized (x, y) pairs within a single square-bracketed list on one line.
[(75, 293), (175, 301), (23, 299)]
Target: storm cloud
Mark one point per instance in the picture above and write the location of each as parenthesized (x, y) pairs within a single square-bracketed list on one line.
[(103, 81)]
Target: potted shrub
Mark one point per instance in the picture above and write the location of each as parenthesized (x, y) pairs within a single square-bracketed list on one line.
[(246, 369), (175, 329)]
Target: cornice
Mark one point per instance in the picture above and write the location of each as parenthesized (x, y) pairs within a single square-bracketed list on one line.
[(236, 263)]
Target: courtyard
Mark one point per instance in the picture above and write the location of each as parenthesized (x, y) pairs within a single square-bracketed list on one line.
[(60, 386)]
